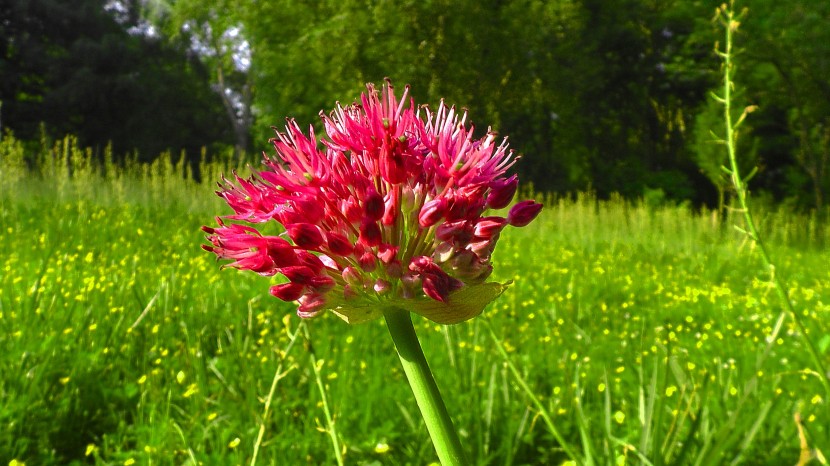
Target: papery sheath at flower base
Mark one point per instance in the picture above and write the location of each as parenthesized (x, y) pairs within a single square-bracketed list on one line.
[(388, 213)]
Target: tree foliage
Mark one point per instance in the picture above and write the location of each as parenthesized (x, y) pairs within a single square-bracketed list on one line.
[(595, 95), (78, 68)]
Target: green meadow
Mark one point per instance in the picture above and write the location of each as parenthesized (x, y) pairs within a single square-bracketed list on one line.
[(647, 333)]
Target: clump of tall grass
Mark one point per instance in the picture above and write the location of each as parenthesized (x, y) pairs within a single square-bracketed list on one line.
[(690, 438)]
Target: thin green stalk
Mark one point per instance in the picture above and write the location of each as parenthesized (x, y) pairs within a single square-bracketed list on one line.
[(731, 23), (428, 397), (534, 399), (330, 428)]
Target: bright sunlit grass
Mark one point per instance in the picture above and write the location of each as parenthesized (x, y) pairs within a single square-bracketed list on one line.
[(641, 329)]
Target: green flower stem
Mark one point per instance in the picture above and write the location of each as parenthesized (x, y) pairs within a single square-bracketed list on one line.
[(429, 400)]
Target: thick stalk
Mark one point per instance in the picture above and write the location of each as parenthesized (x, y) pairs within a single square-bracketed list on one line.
[(437, 419)]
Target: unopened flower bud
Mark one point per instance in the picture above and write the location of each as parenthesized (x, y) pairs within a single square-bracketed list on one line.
[(436, 288), (339, 244), (387, 252), (394, 269), (483, 249), (322, 283), (502, 192), (311, 261), (392, 202), (309, 209), (311, 304), (370, 233), (353, 277), (281, 252), (431, 212), (410, 285), (489, 227), (351, 209), (373, 205), (459, 232), (287, 291), (305, 235), (523, 213), (298, 274), (367, 262)]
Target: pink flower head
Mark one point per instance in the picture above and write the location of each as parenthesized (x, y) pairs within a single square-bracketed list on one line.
[(390, 210)]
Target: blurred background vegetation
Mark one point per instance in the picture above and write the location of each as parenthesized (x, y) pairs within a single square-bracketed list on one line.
[(610, 97)]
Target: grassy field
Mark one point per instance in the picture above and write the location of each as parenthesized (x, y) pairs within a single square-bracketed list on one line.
[(643, 331)]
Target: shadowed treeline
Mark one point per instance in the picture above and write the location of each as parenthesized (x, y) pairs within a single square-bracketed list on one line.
[(609, 97)]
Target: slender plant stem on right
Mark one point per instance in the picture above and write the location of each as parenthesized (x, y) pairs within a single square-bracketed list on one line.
[(731, 22)]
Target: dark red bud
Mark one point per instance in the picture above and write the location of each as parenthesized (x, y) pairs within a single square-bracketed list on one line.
[(287, 291), (436, 288), (458, 208), (311, 210), (460, 232), (281, 252), (392, 166), (523, 213), (489, 227), (502, 192), (352, 210), (431, 212), (370, 233), (339, 244), (367, 262), (298, 274), (305, 235), (322, 283), (311, 261), (373, 205)]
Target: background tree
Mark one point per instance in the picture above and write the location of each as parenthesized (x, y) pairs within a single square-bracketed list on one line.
[(213, 32), (789, 72), (100, 73), (601, 96)]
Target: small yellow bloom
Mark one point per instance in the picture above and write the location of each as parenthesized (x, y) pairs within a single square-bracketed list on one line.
[(381, 448), (234, 443)]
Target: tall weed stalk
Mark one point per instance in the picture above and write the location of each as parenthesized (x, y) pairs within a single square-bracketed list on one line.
[(730, 21)]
